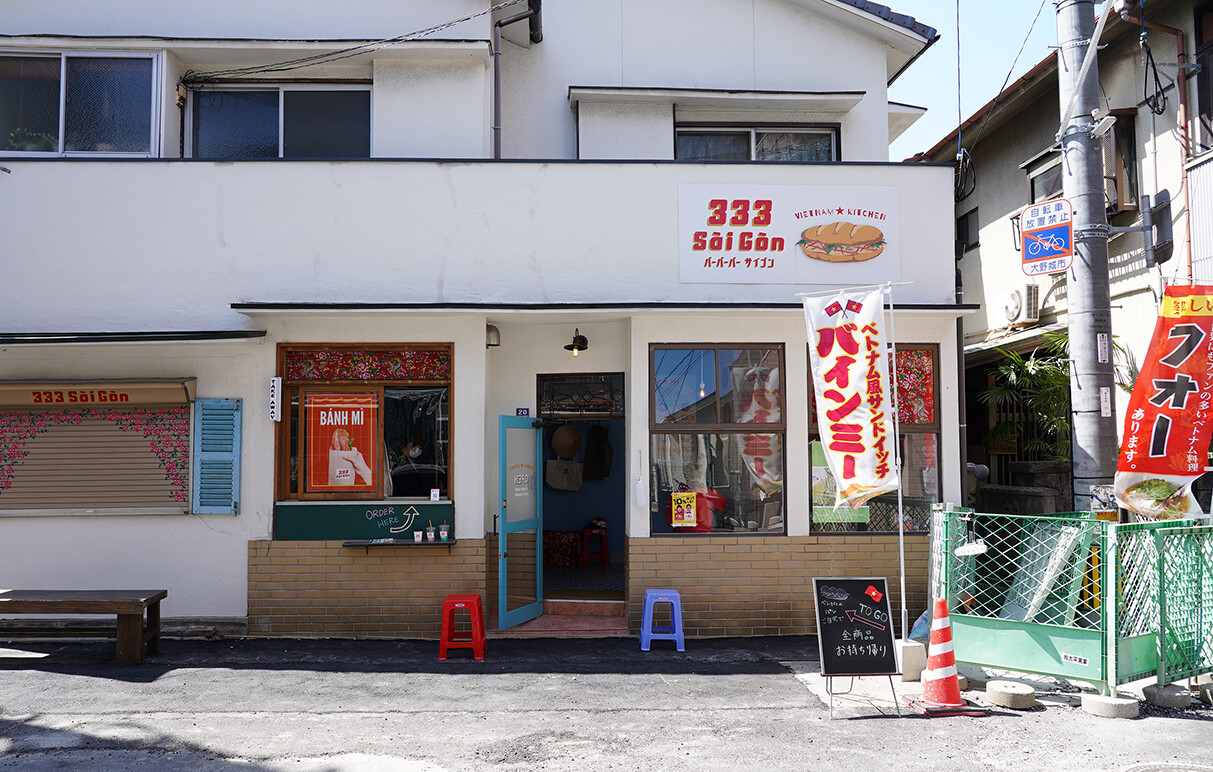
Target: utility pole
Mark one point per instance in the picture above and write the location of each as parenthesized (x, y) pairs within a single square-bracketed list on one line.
[(1092, 374)]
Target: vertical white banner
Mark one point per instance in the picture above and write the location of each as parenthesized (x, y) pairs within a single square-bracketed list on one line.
[(849, 359)]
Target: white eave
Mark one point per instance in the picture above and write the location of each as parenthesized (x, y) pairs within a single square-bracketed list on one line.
[(902, 117), (724, 99), (196, 53)]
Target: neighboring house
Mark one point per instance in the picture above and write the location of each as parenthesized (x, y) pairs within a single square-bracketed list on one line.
[(268, 295), (1148, 151)]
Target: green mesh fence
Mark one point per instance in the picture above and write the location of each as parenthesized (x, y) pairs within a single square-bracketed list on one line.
[(1042, 570), (1053, 570)]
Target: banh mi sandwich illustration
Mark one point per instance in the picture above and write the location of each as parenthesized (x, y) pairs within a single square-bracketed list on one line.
[(842, 242)]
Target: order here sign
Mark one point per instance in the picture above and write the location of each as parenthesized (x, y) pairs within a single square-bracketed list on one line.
[(1047, 237)]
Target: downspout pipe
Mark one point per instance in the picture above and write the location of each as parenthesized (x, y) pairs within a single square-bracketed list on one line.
[(536, 24), (1185, 143)]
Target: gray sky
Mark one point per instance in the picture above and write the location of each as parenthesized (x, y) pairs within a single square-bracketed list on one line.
[(991, 34)]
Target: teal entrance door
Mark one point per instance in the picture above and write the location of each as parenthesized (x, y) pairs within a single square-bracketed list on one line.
[(520, 521)]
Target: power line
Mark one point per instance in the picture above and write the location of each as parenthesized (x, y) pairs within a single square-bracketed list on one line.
[(334, 56), (1022, 45)]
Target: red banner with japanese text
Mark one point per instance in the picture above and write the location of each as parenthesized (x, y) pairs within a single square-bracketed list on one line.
[(1168, 423), (849, 360)]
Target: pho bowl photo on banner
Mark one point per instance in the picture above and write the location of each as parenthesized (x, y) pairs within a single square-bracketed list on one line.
[(849, 359)]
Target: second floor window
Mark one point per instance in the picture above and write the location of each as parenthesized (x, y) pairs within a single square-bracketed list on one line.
[(755, 144), (59, 103), (281, 122)]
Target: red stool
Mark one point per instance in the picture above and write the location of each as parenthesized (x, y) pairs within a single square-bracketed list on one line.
[(448, 641), (604, 554)]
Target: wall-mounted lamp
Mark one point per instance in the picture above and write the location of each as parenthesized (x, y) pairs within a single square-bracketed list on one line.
[(492, 336), (580, 343)]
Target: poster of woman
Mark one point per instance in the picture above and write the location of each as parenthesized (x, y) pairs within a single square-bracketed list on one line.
[(342, 443)]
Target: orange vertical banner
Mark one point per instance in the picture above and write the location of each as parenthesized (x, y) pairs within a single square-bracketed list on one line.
[(1170, 416), (342, 442)]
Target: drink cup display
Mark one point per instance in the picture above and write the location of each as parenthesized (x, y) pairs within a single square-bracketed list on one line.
[(444, 532), (416, 535), (429, 533)]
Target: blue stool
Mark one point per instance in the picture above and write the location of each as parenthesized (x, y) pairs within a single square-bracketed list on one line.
[(674, 633)]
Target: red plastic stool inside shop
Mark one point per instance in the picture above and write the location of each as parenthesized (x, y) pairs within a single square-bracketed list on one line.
[(603, 553), (453, 604)]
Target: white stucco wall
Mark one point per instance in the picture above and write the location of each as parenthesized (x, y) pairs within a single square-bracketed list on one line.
[(625, 131), (722, 44), (431, 109), (183, 240), (265, 19), (434, 110)]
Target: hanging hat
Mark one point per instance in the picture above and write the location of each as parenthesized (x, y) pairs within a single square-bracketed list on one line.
[(566, 441)]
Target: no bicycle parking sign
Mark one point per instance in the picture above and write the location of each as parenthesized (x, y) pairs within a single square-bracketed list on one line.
[(1047, 237)]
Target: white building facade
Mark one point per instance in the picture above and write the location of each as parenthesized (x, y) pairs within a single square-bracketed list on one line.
[(254, 259)]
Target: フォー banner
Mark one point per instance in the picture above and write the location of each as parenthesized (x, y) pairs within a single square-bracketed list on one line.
[(849, 360), (1170, 415)]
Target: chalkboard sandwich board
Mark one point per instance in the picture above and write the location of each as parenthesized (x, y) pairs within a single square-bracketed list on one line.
[(854, 627)]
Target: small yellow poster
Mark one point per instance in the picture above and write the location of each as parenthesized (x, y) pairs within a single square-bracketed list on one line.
[(683, 507)]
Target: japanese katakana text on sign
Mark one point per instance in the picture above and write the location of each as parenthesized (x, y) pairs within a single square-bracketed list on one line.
[(1170, 415), (849, 360), (1047, 231)]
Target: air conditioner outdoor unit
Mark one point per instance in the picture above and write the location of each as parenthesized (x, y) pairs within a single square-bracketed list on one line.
[(1023, 305)]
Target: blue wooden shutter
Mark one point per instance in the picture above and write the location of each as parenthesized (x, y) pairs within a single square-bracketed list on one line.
[(216, 478)]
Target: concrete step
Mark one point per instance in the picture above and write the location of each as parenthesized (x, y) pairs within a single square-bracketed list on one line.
[(586, 608)]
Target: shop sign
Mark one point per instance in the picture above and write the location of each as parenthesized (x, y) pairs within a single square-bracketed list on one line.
[(96, 393), (788, 234), (342, 441), (275, 399), (1170, 416), (849, 360)]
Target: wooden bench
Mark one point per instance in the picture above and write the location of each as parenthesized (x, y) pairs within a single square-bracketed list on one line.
[(127, 604)]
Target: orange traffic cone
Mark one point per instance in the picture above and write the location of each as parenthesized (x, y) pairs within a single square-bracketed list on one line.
[(941, 687)]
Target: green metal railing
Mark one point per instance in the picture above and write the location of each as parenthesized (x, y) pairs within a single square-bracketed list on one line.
[(1077, 597)]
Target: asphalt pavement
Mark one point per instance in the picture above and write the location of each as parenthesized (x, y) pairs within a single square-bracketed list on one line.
[(544, 704)]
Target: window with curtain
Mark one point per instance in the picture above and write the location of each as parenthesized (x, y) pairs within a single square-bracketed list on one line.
[(806, 145)]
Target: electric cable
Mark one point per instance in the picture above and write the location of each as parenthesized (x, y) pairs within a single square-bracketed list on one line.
[(1022, 45), (194, 78), (965, 180), (1157, 101)]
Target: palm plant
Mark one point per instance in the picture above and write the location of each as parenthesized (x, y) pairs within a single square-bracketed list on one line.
[(1039, 385)]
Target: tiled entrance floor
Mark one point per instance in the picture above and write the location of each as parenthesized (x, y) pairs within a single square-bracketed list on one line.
[(569, 619)]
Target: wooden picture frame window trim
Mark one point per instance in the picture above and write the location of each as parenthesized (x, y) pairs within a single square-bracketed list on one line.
[(292, 390)]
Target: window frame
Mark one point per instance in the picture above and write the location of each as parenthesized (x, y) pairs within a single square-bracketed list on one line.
[(676, 429), (155, 109), (281, 87), (1123, 174), (1204, 75), (833, 130), (295, 389), (934, 427), (1038, 167), (972, 227)]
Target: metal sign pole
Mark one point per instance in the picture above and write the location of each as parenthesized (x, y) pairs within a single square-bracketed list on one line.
[(901, 538)]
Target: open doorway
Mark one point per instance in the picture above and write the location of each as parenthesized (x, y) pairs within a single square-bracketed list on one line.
[(585, 492)]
